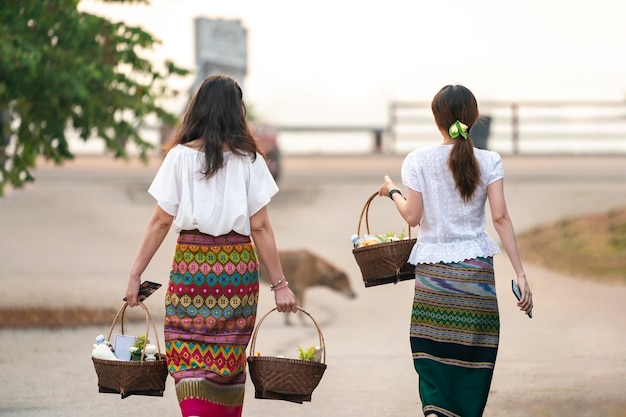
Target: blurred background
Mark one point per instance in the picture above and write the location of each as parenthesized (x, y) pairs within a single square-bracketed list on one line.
[(338, 92), (356, 77)]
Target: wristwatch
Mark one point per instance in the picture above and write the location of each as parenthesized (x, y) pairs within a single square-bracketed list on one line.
[(393, 191)]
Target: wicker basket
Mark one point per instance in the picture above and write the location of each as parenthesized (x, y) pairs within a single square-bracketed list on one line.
[(383, 263), (132, 377), (283, 378)]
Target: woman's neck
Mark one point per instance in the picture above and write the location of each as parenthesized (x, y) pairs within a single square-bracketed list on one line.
[(198, 145), (447, 140)]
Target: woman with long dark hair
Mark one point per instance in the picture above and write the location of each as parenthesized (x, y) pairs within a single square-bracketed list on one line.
[(213, 187), (455, 322)]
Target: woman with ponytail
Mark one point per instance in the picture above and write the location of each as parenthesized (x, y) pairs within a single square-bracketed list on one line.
[(455, 322)]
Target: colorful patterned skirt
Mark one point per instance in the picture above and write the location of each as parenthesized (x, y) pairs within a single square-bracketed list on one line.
[(455, 330), (210, 311)]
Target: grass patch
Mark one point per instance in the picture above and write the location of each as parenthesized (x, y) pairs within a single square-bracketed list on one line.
[(589, 246), (21, 318)]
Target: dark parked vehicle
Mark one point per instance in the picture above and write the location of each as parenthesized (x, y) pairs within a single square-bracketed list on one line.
[(480, 132), (267, 139)]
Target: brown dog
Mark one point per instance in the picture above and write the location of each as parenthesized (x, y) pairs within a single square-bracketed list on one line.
[(304, 269)]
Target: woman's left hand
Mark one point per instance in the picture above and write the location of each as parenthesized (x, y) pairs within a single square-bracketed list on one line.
[(132, 292), (286, 301), (386, 187)]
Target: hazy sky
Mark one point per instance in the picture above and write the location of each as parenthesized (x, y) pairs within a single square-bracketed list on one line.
[(342, 61)]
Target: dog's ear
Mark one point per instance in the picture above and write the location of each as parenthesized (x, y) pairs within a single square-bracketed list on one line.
[(321, 265), (327, 271)]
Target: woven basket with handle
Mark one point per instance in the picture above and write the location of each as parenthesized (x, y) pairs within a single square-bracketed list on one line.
[(133, 377), (383, 263), (284, 378)]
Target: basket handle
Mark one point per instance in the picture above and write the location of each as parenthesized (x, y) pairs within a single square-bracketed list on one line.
[(319, 333), (149, 320), (366, 211)]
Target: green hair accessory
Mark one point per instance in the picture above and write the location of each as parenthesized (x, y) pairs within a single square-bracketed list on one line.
[(458, 129)]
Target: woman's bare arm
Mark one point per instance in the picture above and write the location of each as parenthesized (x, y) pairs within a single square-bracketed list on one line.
[(265, 245), (410, 208), (504, 227), (156, 230)]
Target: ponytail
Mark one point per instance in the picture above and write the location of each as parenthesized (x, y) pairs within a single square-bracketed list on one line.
[(453, 106), (464, 167)]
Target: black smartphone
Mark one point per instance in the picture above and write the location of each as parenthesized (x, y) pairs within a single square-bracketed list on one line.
[(518, 295), (146, 289)]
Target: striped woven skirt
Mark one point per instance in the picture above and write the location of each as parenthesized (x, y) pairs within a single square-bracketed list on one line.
[(455, 329), (210, 311)]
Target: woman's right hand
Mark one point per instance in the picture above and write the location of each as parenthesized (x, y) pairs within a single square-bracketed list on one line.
[(387, 185), (286, 301), (526, 302)]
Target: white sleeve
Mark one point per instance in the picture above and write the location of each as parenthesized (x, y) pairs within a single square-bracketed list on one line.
[(410, 176), (497, 171), (261, 187), (165, 187)]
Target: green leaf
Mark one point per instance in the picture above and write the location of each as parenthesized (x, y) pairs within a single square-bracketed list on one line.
[(306, 355), (63, 69)]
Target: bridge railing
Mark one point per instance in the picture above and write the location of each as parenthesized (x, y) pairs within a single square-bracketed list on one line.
[(516, 128), (524, 127)]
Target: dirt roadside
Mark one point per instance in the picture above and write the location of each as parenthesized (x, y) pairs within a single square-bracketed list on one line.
[(69, 239)]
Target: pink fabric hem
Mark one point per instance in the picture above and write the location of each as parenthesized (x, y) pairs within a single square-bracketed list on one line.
[(202, 408)]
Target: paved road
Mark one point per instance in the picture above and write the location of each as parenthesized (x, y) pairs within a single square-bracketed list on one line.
[(69, 239)]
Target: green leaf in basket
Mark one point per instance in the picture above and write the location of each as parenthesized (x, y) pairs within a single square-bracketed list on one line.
[(382, 238), (140, 341), (306, 355)]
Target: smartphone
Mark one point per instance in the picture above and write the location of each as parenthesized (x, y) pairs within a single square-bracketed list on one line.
[(518, 295), (146, 289)]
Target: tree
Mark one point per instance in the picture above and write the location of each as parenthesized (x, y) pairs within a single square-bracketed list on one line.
[(64, 70)]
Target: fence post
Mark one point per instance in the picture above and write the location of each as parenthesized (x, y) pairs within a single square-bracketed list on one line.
[(515, 127), (378, 140), (392, 125)]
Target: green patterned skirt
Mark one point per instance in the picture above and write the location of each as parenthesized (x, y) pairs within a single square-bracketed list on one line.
[(455, 330)]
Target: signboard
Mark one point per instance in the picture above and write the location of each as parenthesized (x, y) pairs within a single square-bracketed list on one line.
[(221, 48)]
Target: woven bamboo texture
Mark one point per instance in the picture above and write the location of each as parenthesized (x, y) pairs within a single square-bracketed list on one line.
[(284, 378), (132, 377), (383, 263)]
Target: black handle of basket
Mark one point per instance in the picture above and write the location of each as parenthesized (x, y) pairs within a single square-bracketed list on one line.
[(366, 212), (319, 333), (120, 315)]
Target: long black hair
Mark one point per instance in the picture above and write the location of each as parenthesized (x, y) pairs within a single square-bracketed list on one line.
[(217, 115), (452, 103)]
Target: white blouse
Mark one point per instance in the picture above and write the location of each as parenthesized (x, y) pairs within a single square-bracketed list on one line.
[(216, 205), (450, 230)]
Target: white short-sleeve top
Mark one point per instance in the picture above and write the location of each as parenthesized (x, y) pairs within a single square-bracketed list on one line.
[(451, 230), (216, 205)]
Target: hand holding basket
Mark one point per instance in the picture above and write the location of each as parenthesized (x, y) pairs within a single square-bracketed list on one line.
[(284, 378), (383, 263), (133, 377)]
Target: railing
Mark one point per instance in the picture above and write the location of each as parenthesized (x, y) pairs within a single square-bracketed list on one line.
[(517, 128), (526, 127), (375, 132)]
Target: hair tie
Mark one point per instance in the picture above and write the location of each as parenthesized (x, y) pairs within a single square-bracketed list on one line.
[(458, 129)]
